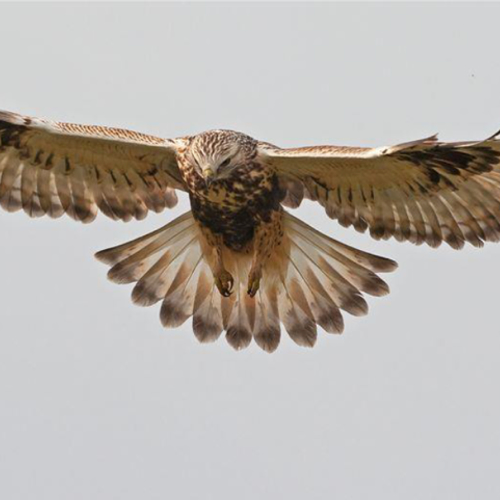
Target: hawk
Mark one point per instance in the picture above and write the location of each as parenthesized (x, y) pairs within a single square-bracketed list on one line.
[(238, 262)]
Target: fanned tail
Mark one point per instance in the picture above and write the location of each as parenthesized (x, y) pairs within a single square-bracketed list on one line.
[(307, 282)]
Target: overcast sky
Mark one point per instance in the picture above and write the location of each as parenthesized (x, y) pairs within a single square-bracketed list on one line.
[(98, 401)]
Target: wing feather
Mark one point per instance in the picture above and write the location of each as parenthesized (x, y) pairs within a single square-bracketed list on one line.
[(423, 191), (55, 168)]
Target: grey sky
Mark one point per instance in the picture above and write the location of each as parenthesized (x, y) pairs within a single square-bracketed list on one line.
[(98, 401)]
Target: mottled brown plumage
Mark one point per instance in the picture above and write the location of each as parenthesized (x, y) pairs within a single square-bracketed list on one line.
[(238, 262), (239, 198)]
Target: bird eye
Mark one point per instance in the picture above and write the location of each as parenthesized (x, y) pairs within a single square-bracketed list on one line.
[(225, 163)]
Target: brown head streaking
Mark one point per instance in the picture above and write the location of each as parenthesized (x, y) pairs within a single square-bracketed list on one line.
[(238, 262)]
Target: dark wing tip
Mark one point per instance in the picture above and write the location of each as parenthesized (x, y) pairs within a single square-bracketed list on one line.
[(495, 136)]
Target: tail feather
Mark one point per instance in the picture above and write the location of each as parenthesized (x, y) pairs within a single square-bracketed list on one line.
[(348, 265), (112, 256), (241, 321), (174, 265), (307, 282), (328, 283), (300, 326), (239, 329), (310, 296), (207, 316), (177, 306), (267, 330), (333, 247), (136, 265)]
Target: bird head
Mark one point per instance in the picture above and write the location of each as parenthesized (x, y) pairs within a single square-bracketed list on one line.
[(217, 154)]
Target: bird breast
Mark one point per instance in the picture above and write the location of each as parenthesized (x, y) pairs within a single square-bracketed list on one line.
[(233, 207)]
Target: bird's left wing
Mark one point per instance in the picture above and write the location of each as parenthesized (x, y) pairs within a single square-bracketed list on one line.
[(55, 168), (422, 191)]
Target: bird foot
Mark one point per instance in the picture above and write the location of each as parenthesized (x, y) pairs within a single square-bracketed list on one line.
[(253, 283), (224, 282)]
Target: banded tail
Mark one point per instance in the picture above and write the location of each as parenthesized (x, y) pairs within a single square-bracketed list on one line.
[(306, 283)]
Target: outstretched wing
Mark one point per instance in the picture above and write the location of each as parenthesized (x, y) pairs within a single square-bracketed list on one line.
[(56, 168), (422, 191)]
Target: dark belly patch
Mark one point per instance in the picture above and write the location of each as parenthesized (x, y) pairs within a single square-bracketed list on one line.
[(233, 207), (235, 226), (236, 215)]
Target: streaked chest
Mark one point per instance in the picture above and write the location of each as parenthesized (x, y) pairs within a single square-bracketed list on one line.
[(232, 207)]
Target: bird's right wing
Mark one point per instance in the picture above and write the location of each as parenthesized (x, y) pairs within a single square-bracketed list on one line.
[(56, 168)]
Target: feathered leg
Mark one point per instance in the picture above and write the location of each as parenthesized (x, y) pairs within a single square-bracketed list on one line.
[(268, 235), (223, 278)]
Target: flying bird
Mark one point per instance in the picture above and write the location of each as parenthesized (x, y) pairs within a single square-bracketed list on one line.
[(238, 262)]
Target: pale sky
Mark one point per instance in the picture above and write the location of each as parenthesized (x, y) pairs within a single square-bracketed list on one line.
[(98, 401)]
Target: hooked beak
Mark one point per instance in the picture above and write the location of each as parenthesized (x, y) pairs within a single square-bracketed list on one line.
[(208, 175)]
